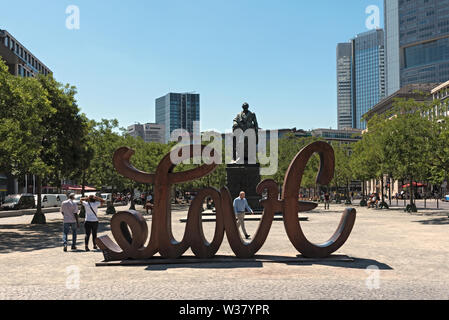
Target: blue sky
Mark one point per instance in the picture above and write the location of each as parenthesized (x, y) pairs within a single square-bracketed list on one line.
[(279, 56)]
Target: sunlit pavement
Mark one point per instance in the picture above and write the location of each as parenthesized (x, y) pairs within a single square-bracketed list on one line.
[(397, 256)]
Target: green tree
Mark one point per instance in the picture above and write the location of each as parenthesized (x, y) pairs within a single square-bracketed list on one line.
[(343, 174), (24, 106)]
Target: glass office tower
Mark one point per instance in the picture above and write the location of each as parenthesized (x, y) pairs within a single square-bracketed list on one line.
[(368, 84), (177, 111), (344, 85), (417, 42)]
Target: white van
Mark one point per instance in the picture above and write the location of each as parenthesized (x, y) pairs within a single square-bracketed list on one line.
[(107, 197), (60, 198), (48, 200)]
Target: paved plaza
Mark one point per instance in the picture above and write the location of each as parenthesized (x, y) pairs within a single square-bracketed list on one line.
[(397, 256)]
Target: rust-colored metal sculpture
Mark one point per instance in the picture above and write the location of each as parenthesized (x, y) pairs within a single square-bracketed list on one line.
[(131, 245)]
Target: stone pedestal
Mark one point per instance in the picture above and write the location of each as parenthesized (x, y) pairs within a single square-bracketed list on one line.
[(244, 177)]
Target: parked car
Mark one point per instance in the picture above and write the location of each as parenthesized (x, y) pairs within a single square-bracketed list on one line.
[(107, 197), (78, 197), (19, 202), (48, 200)]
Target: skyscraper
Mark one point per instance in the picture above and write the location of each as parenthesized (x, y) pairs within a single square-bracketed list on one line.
[(177, 111), (368, 73), (344, 85), (417, 42), (360, 77)]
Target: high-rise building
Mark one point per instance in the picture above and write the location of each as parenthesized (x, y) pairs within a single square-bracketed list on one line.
[(368, 74), (178, 111), (149, 132), (18, 58), (344, 85), (360, 77), (417, 42)]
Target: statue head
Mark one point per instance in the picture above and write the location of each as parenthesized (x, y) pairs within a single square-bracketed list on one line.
[(245, 106)]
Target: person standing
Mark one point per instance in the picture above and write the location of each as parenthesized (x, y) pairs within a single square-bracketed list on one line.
[(149, 203), (327, 201), (240, 208), (91, 205), (69, 211)]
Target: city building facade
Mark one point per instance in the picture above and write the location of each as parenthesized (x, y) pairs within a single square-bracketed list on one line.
[(149, 132), (420, 92), (344, 136), (178, 111), (417, 42), (441, 93), (19, 60)]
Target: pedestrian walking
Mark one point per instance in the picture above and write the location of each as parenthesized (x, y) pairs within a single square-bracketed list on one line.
[(69, 211), (240, 208), (327, 200), (91, 205)]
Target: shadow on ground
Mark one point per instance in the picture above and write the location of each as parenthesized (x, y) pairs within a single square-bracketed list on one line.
[(356, 264), (28, 237), (437, 221), (234, 263)]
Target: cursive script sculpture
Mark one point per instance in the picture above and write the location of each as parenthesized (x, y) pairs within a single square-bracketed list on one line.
[(133, 245)]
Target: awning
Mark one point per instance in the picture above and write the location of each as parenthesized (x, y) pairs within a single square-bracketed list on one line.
[(415, 184), (78, 188)]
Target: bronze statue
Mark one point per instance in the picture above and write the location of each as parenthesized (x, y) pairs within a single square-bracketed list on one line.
[(245, 120)]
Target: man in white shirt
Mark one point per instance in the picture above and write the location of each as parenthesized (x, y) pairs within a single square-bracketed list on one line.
[(91, 205), (240, 207), (69, 211)]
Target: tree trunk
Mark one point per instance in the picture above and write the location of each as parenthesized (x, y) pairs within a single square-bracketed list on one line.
[(382, 187), (363, 190), (39, 217), (404, 196), (425, 196), (389, 190), (83, 182), (412, 190), (133, 205)]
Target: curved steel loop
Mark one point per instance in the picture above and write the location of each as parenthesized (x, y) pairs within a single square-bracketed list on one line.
[(194, 229), (165, 178), (129, 245), (290, 196), (271, 205), (121, 161)]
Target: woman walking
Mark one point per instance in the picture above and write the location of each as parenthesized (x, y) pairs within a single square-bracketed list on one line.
[(91, 205)]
